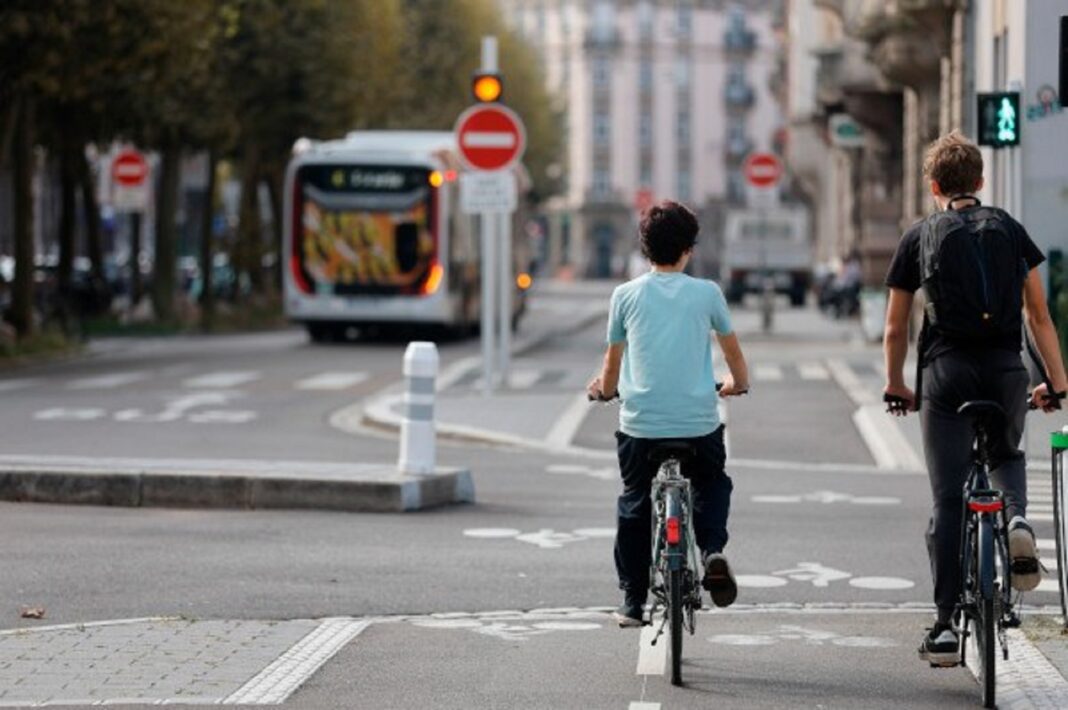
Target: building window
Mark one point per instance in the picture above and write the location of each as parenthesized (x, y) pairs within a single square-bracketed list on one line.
[(602, 128), (645, 130), (682, 72), (602, 73), (682, 129), (645, 75), (645, 20), (604, 20), (683, 187), (602, 186), (645, 173), (736, 186), (684, 18)]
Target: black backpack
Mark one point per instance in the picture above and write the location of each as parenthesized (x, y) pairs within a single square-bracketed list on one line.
[(973, 273)]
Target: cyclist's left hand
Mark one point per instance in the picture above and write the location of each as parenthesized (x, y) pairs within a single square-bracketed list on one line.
[(1041, 399), (594, 390)]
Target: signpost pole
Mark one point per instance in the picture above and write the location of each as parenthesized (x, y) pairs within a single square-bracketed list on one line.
[(504, 236), (489, 262)]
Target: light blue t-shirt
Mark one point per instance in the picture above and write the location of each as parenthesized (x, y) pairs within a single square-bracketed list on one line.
[(666, 383)]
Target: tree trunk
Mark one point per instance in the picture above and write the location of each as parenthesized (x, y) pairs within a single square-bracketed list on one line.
[(163, 276), (67, 218), (275, 179), (91, 210), (22, 293), (250, 228), (207, 252)]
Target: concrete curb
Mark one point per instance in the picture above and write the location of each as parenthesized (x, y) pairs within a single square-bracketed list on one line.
[(385, 491)]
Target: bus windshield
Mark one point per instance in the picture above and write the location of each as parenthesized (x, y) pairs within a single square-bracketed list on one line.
[(360, 229)]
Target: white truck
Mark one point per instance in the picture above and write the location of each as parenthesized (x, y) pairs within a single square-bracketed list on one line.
[(770, 243)]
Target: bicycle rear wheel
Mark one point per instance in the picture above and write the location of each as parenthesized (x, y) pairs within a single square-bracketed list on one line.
[(986, 624), (675, 602)]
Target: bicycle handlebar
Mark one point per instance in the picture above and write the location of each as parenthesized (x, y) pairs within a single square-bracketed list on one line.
[(895, 404), (602, 398)]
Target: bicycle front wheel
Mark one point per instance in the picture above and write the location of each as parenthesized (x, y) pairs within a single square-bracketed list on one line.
[(986, 623), (675, 602)]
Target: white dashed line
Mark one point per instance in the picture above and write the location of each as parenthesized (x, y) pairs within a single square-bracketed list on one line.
[(332, 381), (813, 371), (222, 380), (767, 373), (652, 660), (102, 382)]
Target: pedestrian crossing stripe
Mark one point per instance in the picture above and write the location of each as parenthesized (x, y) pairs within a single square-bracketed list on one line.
[(332, 381)]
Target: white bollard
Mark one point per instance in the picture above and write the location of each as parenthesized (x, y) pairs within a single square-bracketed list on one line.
[(417, 442)]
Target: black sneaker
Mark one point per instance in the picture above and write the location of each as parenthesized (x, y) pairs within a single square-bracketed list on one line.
[(940, 647), (1026, 571), (719, 580), (630, 613)]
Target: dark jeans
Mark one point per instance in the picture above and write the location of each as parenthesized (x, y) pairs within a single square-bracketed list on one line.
[(711, 488), (951, 380)]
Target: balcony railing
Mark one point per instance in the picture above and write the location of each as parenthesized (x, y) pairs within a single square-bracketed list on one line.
[(739, 94), (739, 39)]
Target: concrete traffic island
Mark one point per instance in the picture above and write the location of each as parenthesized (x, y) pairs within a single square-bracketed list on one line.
[(195, 483)]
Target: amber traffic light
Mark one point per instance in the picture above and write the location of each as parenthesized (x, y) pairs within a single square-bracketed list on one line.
[(487, 87)]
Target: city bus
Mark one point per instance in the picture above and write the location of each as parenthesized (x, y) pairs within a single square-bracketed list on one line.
[(374, 238)]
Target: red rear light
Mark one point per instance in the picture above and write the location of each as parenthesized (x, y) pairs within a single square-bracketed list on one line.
[(673, 536), (985, 506)]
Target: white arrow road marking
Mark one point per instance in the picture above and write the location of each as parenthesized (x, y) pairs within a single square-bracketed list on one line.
[(827, 497), (491, 533), (332, 381), (222, 380), (808, 636), (488, 139), (548, 539), (177, 408), (883, 583), (759, 581)]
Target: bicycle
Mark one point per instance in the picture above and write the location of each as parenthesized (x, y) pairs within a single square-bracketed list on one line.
[(985, 609), (675, 584)]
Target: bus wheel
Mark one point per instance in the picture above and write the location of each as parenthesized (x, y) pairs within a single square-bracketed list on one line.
[(321, 332)]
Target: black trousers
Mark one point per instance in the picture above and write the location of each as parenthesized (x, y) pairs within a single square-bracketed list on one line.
[(711, 503), (951, 380)]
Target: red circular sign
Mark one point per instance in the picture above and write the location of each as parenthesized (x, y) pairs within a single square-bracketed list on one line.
[(129, 169), (490, 137), (762, 169)]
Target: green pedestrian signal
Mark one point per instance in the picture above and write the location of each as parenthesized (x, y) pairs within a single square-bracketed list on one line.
[(999, 119)]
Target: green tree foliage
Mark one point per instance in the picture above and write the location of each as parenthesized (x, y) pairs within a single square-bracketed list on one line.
[(241, 79)]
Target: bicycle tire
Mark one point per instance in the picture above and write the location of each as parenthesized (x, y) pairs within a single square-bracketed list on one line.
[(675, 602), (986, 637)]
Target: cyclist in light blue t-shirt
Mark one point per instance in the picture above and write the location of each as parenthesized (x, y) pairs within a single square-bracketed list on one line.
[(659, 358)]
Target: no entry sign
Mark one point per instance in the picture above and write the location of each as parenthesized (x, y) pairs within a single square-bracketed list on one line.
[(490, 137), (762, 170), (129, 169)]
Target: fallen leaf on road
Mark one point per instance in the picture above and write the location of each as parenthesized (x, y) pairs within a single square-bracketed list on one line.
[(32, 612)]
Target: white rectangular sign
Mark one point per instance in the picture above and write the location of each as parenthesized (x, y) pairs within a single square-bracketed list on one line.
[(488, 192), (130, 199)]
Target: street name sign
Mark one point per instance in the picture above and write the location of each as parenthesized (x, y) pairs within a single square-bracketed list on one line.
[(129, 177), (490, 137), (484, 191)]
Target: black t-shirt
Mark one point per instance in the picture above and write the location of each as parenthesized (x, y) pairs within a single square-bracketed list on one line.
[(905, 274)]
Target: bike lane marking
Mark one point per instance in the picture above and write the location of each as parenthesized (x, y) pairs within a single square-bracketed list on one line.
[(652, 660)]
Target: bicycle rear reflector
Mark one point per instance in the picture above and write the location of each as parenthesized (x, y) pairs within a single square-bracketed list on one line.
[(985, 506), (673, 536)]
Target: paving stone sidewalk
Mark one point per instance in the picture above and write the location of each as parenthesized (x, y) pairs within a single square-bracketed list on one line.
[(164, 661)]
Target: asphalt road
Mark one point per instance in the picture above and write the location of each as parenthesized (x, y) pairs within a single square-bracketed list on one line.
[(828, 548)]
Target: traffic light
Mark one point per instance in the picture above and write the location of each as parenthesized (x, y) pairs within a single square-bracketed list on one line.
[(487, 87), (999, 119)]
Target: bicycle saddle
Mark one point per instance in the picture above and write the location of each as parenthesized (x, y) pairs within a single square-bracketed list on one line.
[(985, 414), (672, 450)]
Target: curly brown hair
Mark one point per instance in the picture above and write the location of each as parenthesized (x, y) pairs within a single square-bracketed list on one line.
[(667, 230), (955, 163)]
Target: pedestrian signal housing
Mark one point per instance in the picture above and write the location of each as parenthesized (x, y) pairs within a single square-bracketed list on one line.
[(999, 119), (487, 87)]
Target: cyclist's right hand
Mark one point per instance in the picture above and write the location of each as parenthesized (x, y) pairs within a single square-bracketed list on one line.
[(594, 393), (1042, 398), (728, 388), (899, 400)]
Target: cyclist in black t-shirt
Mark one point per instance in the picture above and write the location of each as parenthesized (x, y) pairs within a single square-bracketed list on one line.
[(954, 370)]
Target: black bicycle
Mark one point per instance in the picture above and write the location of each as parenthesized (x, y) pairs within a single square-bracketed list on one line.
[(985, 609)]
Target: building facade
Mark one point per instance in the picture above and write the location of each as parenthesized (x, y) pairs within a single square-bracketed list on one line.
[(661, 99)]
